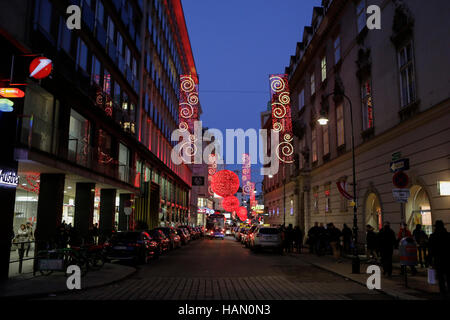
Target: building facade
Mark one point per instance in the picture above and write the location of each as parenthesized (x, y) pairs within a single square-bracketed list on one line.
[(398, 87), (93, 138)]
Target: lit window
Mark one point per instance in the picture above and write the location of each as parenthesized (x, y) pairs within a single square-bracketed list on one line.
[(367, 104), (406, 69), (323, 68), (314, 144), (327, 199), (313, 84), (292, 207), (340, 124), (337, 49), (82, 55), (326, 140), (96, 70), (361, 15)]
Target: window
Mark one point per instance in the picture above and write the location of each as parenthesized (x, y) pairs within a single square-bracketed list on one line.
[(406, 68), (302, 147), (326, 140), (340, 125), (100, 12), (337, 49), (323, 68), (82, 55), (110, 29), (313, 84), (107, 82), (45, 15), (96, 70), (119, 43), (292, 207), (361, 15), (65, 36), (127, 56), (367, 104), (316, 199), (327, 198), (314, 144), (301, 100)]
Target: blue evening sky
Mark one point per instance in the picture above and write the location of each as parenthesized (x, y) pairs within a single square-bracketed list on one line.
[(236, 45)]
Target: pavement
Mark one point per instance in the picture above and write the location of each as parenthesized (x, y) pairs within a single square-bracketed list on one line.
[(417, 286), (29, 286)]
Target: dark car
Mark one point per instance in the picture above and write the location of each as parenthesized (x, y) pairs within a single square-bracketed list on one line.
[(135, 246), (183, 236), (216, 233), (171, 234), (161, 239), (194, 235)]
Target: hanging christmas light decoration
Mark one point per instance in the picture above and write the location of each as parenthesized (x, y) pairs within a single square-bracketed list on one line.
[(252, 195), (230, 203), (212, 169), (225, 183), (246, 174), (188, 107), (242, 213), (281, 116)]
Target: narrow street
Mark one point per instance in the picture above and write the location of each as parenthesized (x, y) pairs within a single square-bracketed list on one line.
[(224, 269)]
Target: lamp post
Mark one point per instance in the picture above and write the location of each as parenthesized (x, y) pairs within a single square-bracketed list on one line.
[(323, 120)]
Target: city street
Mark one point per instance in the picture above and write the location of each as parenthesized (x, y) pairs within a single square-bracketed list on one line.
[(225, 270)]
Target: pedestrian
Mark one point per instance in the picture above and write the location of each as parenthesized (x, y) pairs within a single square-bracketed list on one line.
[(439, 250), (95, 233), (334, 236), (347, 238), (421, 239), (298, 237), (321, 240), (403, 232), (22, 240), (290, 238), (283, 238), (313, 237), (371, 243), (387, 242), (30, 232)]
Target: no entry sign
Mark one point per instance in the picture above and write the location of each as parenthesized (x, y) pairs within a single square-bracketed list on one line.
[(400, 180)]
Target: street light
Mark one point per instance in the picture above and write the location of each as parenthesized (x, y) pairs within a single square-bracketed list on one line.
[(323, 120)]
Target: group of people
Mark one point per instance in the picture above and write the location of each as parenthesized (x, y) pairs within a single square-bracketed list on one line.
[(322, 240), (23, 238), (292, 238)]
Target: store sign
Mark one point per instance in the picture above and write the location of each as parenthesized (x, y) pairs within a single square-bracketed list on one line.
[(8, 178), (198, 181), (40, 68), (401, 195)]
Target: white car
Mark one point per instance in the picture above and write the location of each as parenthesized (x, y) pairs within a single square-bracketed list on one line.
[(266, 238)]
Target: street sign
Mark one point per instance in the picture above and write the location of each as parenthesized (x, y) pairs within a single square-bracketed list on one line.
[(198, 181), (399, 165), (396, 155), (40, 68), (400, 179), (401, 195)]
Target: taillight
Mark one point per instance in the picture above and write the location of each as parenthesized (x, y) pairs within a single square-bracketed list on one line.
[(153, 243)]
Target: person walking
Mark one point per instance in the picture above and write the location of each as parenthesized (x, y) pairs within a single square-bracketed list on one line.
[(22, 241), (95, 233), (371, 243), (387, 242), (290, 238), (421, 239), (321, 240), (334, 236), (347, 238), (405, 233), (313, 237), (298, 237), (30, 232), (439, 250)]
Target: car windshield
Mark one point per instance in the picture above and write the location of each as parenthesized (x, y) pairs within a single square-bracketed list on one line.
[(268, 231)]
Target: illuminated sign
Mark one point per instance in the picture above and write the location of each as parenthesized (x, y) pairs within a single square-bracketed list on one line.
[(40, 68), (444, 188), (8, 178), (11, 93), (6, 105)]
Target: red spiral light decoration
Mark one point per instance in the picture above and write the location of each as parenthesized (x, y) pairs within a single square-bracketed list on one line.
[(225, 183), (230, 203)]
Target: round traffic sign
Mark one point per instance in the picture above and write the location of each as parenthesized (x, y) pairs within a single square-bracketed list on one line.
[(40, 68), (400, 180)]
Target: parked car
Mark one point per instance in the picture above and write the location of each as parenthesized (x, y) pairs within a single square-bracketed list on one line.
[(187, 233), (191, 231), (216, 233), (161, 239), (239, 233), (183, 236), (174, 238), (135, 246), (249, 236), (266, 238)]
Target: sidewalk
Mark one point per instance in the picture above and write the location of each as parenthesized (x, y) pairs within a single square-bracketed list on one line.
[(28, 287), (418, 287)]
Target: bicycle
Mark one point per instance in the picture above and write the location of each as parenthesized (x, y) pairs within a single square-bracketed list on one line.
[(60, 259)]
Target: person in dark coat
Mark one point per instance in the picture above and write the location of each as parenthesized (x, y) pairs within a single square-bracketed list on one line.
[(322, 244), (290, 238), (347, 238), (334, 238), (421, 239), (298, 238), (387, 241), (371, 243), (439, 246), (313, 235)]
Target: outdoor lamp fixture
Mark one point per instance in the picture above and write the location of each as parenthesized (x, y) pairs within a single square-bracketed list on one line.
[(323, 119), (6, 105), (270, 176)]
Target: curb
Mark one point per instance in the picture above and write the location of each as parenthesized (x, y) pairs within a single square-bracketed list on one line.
[(401, 296), (46, 294)]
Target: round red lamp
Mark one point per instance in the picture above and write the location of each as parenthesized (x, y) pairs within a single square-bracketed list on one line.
[(225, 183)]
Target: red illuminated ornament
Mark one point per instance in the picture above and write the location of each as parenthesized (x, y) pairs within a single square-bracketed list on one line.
[(230, 203), (40, 68), (225, 183), (242, 213)]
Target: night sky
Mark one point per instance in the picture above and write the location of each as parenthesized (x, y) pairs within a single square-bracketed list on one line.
[(236, 45)]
